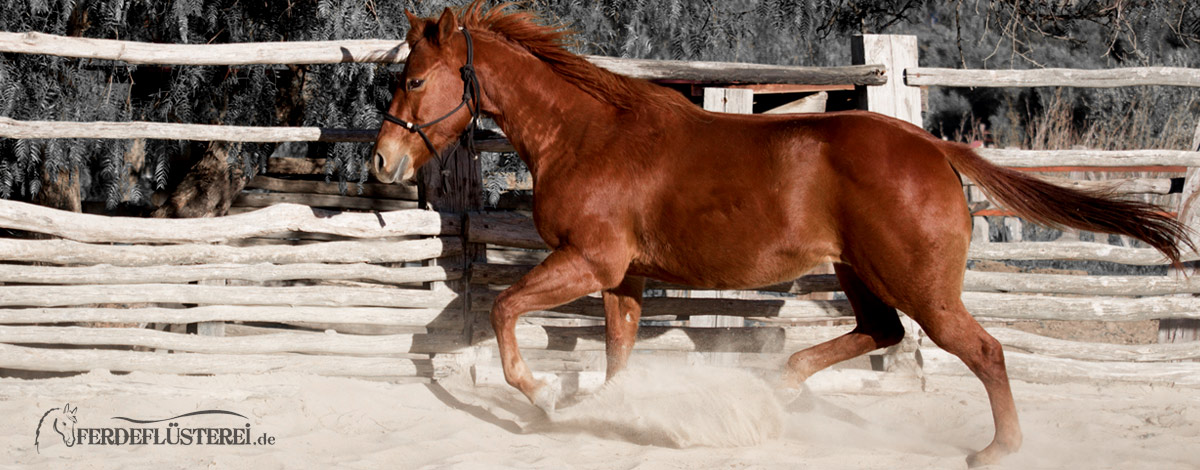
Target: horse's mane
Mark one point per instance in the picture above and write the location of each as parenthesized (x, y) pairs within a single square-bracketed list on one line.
[(548, 43)]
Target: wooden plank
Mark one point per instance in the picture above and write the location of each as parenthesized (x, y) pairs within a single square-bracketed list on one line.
[(776, 88), (1090, 158), (259, 272), (729, 100), (1079, 350), (373, 190), (281, 341), (503, 228), (1114, 169), (1088, 251), (1047, 307), (322, 200), (810, 104), (407, 317), (52, 296), (1118, 185), (396, 51), (15, 129), (83, 360), (733, 72), (1053, 370), (1063, 284), (351, 251), (274, 219), (296, 166), (1103, 78), (290, 52), (1008, 213)]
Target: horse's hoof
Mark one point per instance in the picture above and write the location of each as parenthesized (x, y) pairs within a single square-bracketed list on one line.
[(545, 396), (984, 458)]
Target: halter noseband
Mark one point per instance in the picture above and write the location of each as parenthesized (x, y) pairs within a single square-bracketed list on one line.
[(470, 97)]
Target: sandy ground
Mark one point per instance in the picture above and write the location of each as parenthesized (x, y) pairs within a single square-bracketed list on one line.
[(656, 418)]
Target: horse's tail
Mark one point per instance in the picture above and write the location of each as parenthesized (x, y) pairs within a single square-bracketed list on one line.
[(1097, 210)]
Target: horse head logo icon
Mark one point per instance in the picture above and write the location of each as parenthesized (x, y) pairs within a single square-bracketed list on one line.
[(62, 420)]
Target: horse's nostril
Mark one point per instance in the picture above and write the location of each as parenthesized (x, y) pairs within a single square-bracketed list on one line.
[(378, 162)]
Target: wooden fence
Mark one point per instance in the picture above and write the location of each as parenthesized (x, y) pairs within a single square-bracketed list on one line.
[(401, 293)]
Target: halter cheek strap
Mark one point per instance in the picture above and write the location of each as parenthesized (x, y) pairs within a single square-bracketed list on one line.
[(470, 100)]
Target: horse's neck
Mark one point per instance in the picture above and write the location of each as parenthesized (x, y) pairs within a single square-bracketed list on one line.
[(539, 111)]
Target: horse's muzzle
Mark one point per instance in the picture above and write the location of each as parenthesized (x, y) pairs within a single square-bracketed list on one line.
[(402, 170)]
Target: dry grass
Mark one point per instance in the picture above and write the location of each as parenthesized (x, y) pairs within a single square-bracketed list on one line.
[(1149, 118)]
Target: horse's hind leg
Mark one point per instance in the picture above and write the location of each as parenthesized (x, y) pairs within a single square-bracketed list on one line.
[(878, 326), (952, 328), (622, 311)]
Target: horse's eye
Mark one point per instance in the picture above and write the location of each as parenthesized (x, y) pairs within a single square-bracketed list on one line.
[(415, 83)]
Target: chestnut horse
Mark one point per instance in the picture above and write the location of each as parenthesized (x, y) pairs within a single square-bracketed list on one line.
[(631, 180)]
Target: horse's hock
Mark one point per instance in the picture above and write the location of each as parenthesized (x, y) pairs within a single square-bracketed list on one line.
[(401, 293)]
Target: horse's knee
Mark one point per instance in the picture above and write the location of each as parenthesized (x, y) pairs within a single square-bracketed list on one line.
[(504, 311)]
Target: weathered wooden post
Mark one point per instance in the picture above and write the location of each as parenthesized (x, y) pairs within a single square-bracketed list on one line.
[(455, 188), (895, 98), (1182, 330)]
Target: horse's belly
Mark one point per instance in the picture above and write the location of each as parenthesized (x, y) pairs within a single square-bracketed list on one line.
[(733, 263)]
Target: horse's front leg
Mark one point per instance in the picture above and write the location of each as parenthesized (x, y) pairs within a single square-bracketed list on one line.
[(622, 311), (565, 275)]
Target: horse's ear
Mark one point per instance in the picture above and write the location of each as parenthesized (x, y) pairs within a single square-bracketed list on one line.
[(416, 25), (447, 26)]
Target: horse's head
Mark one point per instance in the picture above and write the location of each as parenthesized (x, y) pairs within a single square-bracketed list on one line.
[(64, 424), (429, 108)]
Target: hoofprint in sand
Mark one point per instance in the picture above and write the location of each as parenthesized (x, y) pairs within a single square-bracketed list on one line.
[(652, 417)]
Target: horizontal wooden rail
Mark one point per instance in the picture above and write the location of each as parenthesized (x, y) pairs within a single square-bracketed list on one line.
[(282, 342), (332, 201), (290, 52), (14, 129), (1084, 251), (737, 72), (1079, 350), (349, 251), (321, 296), (1124, 185), (416, 317), (1097, 158), (261, 272), (83, 360), (369, 190), (396, 51), (1104, 78), (271, 220), (1054, 370)]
